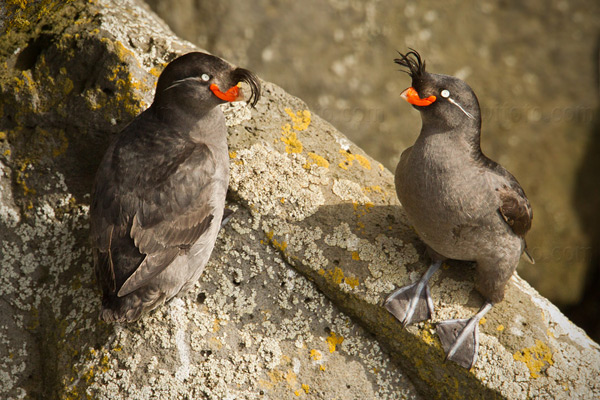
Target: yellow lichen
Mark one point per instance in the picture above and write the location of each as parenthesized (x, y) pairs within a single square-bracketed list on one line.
[(300, 122), (305, 387), (290, 378), (232, 154), (349, 159), (361, 210), (355, 255), (157, 69), (275, 376), (337, 275), (289, 137), (315, 355), (315, 159), (333, 340), (21, 178), (278, 245), (300, 119), (373, 189), (216, 325), (19, 3), (351, 281), (535, 357), (500, 328), (216, 343), (427, 336), (363, 161), (122, 51)]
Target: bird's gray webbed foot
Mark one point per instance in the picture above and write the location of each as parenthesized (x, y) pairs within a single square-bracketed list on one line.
[(460, 337), (413, 303)]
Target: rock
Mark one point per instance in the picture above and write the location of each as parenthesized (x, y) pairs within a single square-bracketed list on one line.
[(528, 65), (290, 304), (251, 328)]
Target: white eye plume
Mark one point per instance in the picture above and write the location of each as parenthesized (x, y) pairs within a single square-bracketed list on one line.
[(203, 78), (457, 104), (446, 94)]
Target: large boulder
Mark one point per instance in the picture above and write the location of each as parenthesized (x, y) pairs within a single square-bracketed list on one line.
[(533, 67), (289, 306)]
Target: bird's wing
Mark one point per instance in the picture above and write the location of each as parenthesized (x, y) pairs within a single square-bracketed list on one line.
[(515, 208), (156, 210)]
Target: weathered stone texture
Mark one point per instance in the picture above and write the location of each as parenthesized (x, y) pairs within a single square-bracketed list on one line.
[(290, 304)]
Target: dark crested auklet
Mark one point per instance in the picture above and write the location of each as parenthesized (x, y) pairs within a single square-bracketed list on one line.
[(159, 194)]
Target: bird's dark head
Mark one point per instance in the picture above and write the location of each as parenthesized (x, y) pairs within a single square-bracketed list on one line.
[(442, 99), (197, 82)]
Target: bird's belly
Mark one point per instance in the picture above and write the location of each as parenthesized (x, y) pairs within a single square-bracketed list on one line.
[(450, 221)]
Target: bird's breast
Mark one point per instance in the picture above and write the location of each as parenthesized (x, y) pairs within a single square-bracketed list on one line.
[(446, 200)]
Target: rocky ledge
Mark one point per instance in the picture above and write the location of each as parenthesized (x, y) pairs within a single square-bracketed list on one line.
[(290, 304)]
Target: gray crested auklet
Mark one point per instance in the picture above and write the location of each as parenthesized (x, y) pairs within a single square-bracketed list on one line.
[(463, 205)]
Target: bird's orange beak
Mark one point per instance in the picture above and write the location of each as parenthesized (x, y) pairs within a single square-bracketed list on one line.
[(413, 98), (234, 93)]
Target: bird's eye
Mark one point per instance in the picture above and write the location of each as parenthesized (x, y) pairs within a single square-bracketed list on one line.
[(205, 77), (445, 93)]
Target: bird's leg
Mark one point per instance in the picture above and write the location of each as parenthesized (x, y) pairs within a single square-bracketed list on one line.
[(413, 303), (460, 337)]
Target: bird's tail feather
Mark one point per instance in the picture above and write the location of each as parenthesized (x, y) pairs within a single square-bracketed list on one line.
[(528, 256)]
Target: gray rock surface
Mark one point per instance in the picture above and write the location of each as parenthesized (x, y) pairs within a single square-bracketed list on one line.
[(533, 66), (289, 306)]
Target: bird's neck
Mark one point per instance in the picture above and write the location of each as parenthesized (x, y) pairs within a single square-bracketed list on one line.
[(203, 126), (210, 128), (457, 143)]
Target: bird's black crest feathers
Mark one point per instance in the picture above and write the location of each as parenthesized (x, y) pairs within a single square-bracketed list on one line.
[(413, 61), (243, 75)]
